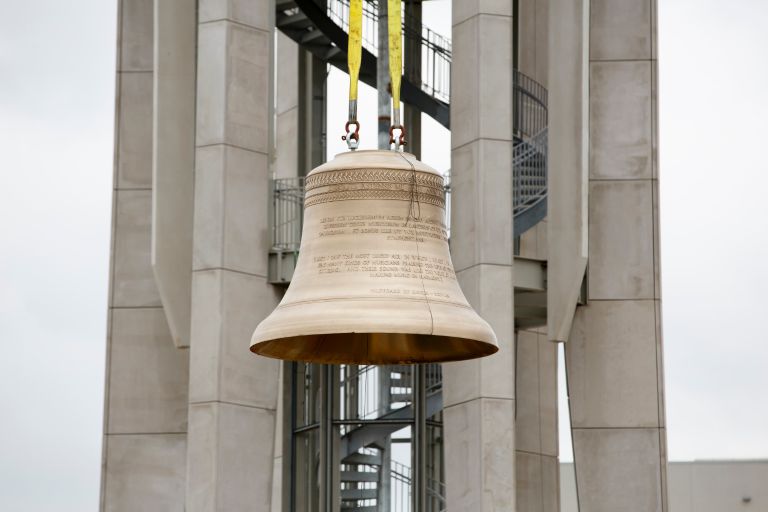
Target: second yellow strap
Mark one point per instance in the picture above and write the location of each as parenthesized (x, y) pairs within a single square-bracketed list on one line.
[(394, 26)]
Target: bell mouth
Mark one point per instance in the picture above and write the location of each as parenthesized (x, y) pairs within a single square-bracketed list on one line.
[(373, 348)]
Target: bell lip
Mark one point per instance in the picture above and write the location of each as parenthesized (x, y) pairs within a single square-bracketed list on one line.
[(272, 348)]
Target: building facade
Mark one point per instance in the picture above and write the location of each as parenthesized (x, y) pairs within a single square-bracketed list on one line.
[(552, 107), (699, 486)]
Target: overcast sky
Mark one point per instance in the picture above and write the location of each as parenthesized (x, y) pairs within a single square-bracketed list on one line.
[(56, 156)]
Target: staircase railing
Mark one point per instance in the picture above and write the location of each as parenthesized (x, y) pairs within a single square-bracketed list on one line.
[(401, 490), (287, 213), (401, 487), (530, 106), (530, 176)]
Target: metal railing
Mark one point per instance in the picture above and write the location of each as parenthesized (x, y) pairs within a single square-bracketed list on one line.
[(401, 487), (529, 157), (401, 490), (287, 213), (530, 106), (448, 203), (434, 74), (370, 391), (435, 495), (529, 189), (530, 173), (529, 153)]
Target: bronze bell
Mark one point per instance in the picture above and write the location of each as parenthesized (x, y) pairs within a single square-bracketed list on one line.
[(374, 282)]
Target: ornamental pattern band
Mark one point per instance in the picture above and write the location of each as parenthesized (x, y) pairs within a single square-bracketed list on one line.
[(355, 184)]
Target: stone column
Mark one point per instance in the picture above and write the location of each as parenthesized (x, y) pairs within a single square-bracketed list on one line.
[(233, 394), (145, 409), (479, 395), (614, 356)]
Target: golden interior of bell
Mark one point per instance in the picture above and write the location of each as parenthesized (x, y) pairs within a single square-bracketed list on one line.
[(373, 348)]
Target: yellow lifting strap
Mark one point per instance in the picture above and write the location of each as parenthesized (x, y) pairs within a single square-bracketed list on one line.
[(355, 49), (395, 55), (354, 56)]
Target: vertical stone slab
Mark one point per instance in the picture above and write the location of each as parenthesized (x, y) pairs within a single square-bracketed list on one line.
[(233, 393), (145, 407), (614, 356), (536, 431), (479, 395), (173, 131), (567, 224)]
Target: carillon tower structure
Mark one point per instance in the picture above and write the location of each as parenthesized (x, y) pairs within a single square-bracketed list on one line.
[(549, 207)]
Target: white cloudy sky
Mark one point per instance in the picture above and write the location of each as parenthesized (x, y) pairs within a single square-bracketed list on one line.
[(56, 133)]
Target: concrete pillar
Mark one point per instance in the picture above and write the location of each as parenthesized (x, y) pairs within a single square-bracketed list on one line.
[(614, 356), (479, 395), (233, 394), (145, 409)]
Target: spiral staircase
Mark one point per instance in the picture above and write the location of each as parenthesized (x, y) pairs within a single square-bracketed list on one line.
[(366, 467), (370, 480)]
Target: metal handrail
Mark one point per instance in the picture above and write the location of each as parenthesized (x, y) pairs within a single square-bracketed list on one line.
[(287, 213), (530, 185), (401, 474), (362, 385), (530, 106)]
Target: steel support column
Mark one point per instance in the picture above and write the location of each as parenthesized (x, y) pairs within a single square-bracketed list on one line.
[(419, 441), (382, 78), (329, 483), (412, 54), (312, 117)]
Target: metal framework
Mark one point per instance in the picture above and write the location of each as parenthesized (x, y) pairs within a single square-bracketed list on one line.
[(369, 438), (321, 29), (435, 74), (365, 438)]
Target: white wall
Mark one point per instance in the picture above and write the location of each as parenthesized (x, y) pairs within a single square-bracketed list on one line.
[(699, 486)]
